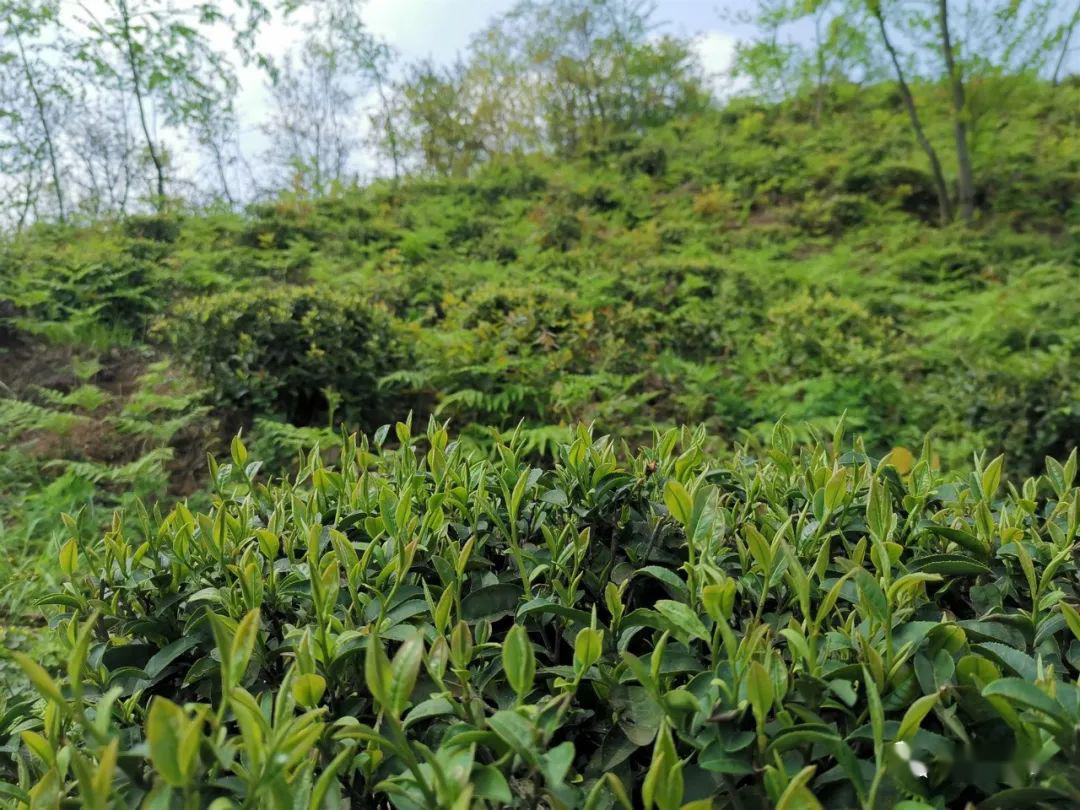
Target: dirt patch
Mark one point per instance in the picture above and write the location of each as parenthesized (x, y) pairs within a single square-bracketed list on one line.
[(27, 362)]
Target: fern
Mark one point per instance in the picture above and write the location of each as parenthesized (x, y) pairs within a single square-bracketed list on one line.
[(148, 466), (86, 397), (18, 417), (540, 441)]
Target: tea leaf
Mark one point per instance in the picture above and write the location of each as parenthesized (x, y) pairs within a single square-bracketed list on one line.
[(519, 661)]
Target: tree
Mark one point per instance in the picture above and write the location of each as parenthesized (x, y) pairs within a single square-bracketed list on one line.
[(103, 153), (24, 24), (945, 207), (599, 68), (1003, 43), (1065, 34), (784, 60), (444, 123), (215, 131), (312, 126), (367, 62), (1006, 37), (21, 157), (965, 185), (160, 55), (570, 76)]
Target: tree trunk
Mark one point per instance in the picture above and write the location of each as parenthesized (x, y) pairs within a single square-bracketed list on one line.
[(1065, 46), (39, 106), (819, 52), (159, 167), (223, 177), (389, 130), (945, 209), (965, 184)]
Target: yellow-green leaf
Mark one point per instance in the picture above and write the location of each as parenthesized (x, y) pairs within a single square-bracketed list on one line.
[(588, 646), (41, 679), (69, 557), (243, 643), (1072, 618), (915, 714), (759, 691), (164, 724), (678, 502), (40, 746), (519, 660), (308, 689), (377, 673)]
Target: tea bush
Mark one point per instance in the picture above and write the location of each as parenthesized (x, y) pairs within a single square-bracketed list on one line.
[(288, 351), (422, 627)]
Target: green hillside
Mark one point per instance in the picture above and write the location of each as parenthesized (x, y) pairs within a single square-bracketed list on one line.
[(729, 268)]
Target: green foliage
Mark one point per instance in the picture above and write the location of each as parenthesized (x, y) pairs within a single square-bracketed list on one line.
[(293, 352), (536, 613), (63, 282), (796, 626), (71, 445), (730, 268)]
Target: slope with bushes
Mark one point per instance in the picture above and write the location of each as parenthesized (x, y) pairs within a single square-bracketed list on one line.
[(726, 268)]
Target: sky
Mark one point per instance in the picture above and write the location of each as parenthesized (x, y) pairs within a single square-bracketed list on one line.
[(441, 29)]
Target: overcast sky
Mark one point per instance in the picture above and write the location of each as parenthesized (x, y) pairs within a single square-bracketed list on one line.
[(440, 29)]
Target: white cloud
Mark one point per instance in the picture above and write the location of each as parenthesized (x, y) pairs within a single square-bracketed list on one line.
[(715, 49), (439, 29)]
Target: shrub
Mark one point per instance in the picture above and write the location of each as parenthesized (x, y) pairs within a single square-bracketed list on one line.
[(716, 202), (282, 350), (794, 627), (830, 215), (814, 332), (155, 227)]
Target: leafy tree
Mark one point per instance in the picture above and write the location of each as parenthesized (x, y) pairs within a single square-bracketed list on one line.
[(442, 122), (779, 64), (597, 68), (954, 43), (564, 76), (945, 206), (160, 56), (44, 89)]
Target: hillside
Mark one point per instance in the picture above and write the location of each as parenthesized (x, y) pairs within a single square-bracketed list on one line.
[(730, 268), (727, 269)]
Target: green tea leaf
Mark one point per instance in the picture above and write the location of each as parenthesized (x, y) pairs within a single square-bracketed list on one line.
[(164, 724), (519, 661), (685, 623), (308, 689), (678, 502)]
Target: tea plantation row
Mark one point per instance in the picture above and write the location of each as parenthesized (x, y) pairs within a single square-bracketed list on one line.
[(423, 626)]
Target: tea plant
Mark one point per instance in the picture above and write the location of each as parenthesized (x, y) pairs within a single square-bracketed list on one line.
[(289, 351), (801, 626)]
